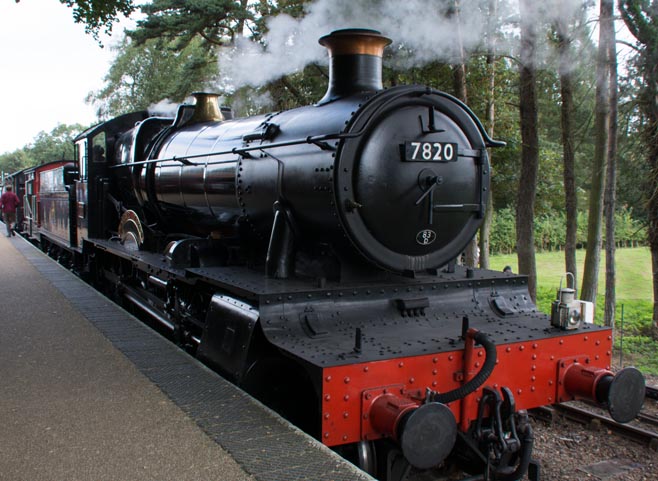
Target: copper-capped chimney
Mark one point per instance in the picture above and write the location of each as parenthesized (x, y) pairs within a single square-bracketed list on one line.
[(355, 61), (206, 108)]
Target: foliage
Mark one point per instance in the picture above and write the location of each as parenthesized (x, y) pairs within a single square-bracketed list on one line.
[(217, 22), (550, 230), (641, 18), (147, 73), (174, 50), (14, 161), (54, 145), (45, 147), (97, 15), (503, 232), (506, 164)]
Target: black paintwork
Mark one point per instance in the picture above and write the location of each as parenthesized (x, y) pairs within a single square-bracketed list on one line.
[(318, 323)]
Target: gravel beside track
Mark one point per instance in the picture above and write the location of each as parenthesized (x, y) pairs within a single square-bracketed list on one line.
[(572, 452)]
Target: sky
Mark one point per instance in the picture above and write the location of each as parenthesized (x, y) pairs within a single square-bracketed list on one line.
[(48, 65)]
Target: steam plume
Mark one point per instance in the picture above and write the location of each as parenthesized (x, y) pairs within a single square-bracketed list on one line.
[(421, 30)]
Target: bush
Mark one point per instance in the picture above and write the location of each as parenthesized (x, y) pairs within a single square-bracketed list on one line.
[(503, 232), (629, 232), (550, 231)]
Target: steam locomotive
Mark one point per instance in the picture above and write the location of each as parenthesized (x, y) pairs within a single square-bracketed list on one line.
[(309, 256)]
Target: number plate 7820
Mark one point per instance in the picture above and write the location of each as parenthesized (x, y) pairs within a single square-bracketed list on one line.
[(430, 151)]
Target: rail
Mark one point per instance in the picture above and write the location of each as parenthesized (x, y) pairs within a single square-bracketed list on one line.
[(652, 392), (585, 416)]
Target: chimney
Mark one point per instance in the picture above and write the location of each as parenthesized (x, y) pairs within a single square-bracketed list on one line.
[(206, 108), (355, 61)]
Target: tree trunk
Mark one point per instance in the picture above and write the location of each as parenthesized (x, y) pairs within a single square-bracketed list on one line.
[(595, 219), (525, 205), (239, 31), (641, 20), (459, 81), (571, 199), (485, 229), (654, 267), (652, 195), (461, 92), (607, 28)]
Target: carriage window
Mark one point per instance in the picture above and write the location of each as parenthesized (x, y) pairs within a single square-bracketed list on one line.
[(29, 184), (98, 148), (81, 157)]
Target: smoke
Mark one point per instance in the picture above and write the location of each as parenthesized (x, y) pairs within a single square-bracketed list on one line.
[(426, 28), (169, 108), (164, 108), (422, 31), (251, 103)]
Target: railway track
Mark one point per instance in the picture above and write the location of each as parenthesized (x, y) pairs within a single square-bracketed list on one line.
[(648, 419), (652, 392), (585, 415)]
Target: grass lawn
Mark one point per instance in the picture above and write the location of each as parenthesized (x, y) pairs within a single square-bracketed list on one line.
[(634, 292), (633, 271)]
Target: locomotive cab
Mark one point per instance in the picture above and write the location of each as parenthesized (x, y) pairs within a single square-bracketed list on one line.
[(93, 148)]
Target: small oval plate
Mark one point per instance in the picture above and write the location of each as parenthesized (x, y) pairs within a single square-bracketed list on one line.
[(426, 237)]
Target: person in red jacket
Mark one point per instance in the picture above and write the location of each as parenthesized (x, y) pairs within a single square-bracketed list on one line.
[(8, 203)]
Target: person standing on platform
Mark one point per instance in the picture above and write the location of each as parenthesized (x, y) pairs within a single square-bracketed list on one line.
[(8, 203)]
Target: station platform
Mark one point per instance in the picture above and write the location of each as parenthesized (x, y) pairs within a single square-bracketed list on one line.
[(87, 392)]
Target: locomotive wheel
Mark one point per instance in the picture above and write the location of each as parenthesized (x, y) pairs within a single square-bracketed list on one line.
[(381, 459), (366, 457), (361, 454), (391, 463), (130, 230)]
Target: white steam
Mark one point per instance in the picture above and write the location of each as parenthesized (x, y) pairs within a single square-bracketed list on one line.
[(422, 31), (252, 103), (164, 108), (421, 26), (169, 108)]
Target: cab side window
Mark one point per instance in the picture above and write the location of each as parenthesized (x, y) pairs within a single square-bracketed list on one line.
[(98, 148), (81, 157)]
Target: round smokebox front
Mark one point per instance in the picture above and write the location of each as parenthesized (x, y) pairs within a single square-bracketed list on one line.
[(412, 181)]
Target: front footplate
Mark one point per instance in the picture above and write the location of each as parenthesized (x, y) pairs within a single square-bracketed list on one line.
[(499, 444)]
